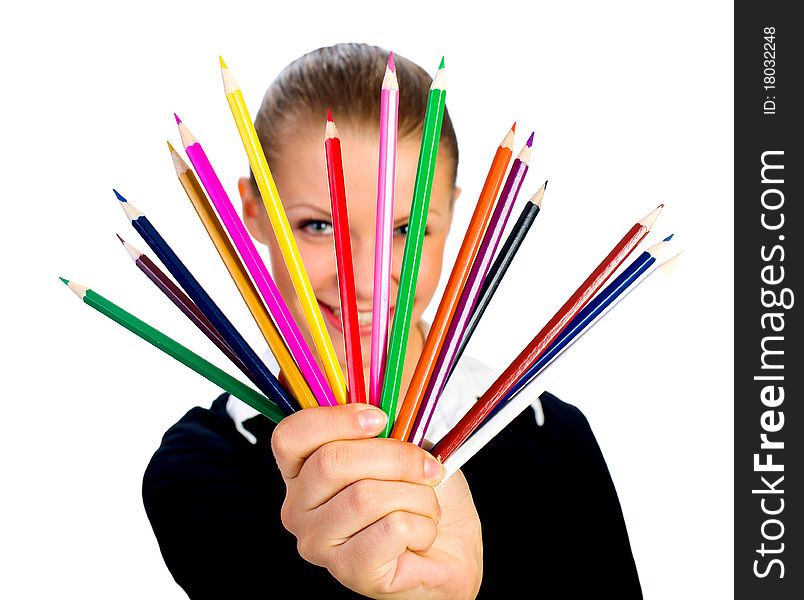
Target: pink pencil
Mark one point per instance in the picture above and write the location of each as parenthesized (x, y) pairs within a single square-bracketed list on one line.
[(386, 176), (256, 267)]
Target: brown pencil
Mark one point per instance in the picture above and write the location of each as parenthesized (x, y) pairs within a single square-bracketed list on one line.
[(289, 369), (176, 295)]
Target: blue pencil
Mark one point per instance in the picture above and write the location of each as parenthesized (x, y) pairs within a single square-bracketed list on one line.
[(592, 311), (264, 379)]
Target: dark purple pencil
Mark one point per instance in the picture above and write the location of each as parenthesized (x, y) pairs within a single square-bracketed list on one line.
[(471, 291), (176, 295)]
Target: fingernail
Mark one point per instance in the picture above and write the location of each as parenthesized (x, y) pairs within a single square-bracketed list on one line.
[(433, 470), (371, 419)]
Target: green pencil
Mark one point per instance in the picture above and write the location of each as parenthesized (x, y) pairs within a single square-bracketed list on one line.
[(431, 133), (177, 351)]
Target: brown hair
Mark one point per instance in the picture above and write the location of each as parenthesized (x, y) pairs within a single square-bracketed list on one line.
[(347, 78)]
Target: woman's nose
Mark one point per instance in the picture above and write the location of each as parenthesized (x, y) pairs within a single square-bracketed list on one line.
[(363, 262)]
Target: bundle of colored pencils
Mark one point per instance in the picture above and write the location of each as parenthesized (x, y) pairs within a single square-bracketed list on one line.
[(474, 278)]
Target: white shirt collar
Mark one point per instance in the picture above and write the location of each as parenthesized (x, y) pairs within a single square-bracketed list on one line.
[(469, 381)]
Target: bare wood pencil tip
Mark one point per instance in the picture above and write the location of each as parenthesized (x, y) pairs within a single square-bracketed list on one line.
[(331, 131), (79, 290), (648, 220), (670, 264), (187, 138), (439, 81), (132, 251), (539, 195)]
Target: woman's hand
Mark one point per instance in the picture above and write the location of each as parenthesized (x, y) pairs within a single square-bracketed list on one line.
[(367, 508)]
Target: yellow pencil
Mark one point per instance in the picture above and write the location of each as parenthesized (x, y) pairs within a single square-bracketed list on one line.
[(289, 369), (284, 235)]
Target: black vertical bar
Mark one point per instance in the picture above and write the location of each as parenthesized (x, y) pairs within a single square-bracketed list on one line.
[(768, 428)]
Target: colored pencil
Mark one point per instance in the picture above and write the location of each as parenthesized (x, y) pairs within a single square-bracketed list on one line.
[(411, 405), (384, 230), (604, 301), (343, 258), (184, 303), (422, 188), (470, 292), (284, 235), (176, 350), (289, 370), (525, 395), (500, 388), (276, 305), (501, 263), (268, 385)]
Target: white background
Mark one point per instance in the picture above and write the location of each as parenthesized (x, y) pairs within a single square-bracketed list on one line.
[(631, 103)]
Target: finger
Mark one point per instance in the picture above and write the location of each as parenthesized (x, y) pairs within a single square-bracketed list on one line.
[(366, 502), (298, 435), (370, 556), (338, 464)]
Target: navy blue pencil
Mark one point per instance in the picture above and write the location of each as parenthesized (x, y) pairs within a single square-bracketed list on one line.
[(264, 379), (591, 312)]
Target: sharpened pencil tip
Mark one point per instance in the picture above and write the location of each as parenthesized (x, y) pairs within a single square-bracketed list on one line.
[(391, 64), (513, 127), (223, 64), (545, 183), (171, 148), (65, 281), (119, 197), (329, 115), (530, 140), (668, 238), (441, 65), (178, 120), (122, 241)]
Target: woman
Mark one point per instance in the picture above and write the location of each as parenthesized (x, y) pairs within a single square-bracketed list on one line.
[(241, 507)]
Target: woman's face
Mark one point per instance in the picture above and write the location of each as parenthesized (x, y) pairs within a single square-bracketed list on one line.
[(301, 178)]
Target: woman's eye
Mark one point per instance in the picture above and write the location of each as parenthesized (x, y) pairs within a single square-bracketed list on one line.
[(316, 227), (402, 230)]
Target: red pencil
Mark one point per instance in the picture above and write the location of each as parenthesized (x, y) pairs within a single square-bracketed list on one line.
[(343, 256), (500, 388)]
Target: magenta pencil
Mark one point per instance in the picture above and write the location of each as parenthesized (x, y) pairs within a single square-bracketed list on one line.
[(471, 291), (256, 267), (386, 176)]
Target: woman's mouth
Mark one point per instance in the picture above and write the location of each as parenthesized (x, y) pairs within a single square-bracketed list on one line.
[(333, 315)]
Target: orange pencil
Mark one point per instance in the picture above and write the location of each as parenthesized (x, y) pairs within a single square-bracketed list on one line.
[(403, 426), (343, 257)]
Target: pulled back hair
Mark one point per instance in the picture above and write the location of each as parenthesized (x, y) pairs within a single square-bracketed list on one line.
[(347, 79)]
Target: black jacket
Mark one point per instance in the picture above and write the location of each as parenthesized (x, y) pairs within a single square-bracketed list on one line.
[(551, 520)]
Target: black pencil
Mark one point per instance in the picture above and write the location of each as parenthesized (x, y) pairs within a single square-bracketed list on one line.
[(497, 270)]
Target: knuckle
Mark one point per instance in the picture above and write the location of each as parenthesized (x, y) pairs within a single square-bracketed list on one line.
[(362, 496), (288, 515), (329, 460), (280, 440), (396, 525)]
